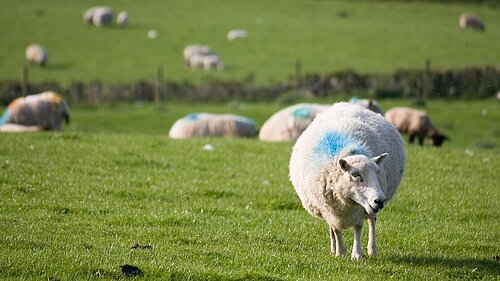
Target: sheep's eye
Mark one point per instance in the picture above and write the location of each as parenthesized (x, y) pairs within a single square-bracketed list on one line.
[(355, 174)]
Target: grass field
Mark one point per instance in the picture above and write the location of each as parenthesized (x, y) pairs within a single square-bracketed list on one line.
[(366, 36), (73, 203)]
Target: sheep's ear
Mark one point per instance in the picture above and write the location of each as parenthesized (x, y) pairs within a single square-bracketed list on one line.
[(380, 158), (344, 165)]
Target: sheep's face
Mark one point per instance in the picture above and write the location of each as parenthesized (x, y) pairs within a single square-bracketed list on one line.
[(437, 140), (360, 178)]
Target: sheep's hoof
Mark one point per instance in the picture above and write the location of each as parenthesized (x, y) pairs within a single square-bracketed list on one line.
[(356, 256)]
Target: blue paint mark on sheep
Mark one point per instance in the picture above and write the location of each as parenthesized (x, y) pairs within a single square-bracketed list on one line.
[(192, 117), (303, 112), (5, 117), (332, 143)]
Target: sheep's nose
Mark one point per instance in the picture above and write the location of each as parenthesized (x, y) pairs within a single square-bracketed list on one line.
[(379, 203)]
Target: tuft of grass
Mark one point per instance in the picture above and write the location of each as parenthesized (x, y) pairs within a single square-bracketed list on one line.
[(72, 204)]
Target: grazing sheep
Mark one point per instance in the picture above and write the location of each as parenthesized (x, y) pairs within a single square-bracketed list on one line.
[(99, 16), (344, 167), (368, 104), (36, 54), (415, 123), (288, 123), (212, 125), (46, 110), (236, 34), (467, 20), (122, 18), (195, 49), (212, 61)]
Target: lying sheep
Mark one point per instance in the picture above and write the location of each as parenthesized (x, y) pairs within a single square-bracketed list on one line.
[(467, 20), (345, 167), (415, 123), (20, 128), (212, 125), (368, 104), (236, 34), (36, 54), (289, 123), (46, 110), (122, 18), (99, 16)]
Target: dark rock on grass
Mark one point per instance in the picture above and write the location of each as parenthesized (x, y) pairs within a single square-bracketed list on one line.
[(130, 270), (138, 246)]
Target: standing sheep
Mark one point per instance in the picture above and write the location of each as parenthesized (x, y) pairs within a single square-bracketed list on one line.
[(288, 123), (46, 110), (344, 167), (195, 49), (122, 18), (212, 125), (415, 123), (36, 54), (467, 20)]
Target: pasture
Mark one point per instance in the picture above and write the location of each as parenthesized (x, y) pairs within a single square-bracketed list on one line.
[(326, 36), (73, 203)]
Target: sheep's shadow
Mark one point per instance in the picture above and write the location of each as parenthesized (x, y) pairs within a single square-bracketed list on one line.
[(488, 267)]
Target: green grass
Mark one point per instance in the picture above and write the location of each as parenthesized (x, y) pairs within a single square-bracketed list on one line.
[(374, 36), (72, 203)]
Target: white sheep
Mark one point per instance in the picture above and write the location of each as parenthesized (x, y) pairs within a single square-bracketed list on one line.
[(122, 18), (195, 49), (99, 16), (415, 123), (236, 34), (468, 20), (212, 61), (212, 125), (46, 110), (288, 123), (344, 167), (36, 54), (368, 104)]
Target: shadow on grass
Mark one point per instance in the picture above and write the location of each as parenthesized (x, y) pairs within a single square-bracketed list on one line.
[(480, 267)]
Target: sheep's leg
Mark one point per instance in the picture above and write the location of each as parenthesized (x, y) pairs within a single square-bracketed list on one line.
[(411, 138), (339, 243), (357, 252), (372, 243), (332, 241)]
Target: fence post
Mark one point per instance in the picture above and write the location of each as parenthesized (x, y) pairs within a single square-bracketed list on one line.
[(158, 84), (426, 80), (298, 70), (24, 81)]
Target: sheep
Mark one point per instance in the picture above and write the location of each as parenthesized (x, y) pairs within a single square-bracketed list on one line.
[(98, 16), (288, 123), (468, 20), (236, 34), (344, 168), (368, 104), (195, 49), (122, 18), (46, 110), (36, 54), (415, 123), (212, 61), (212, 125)]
